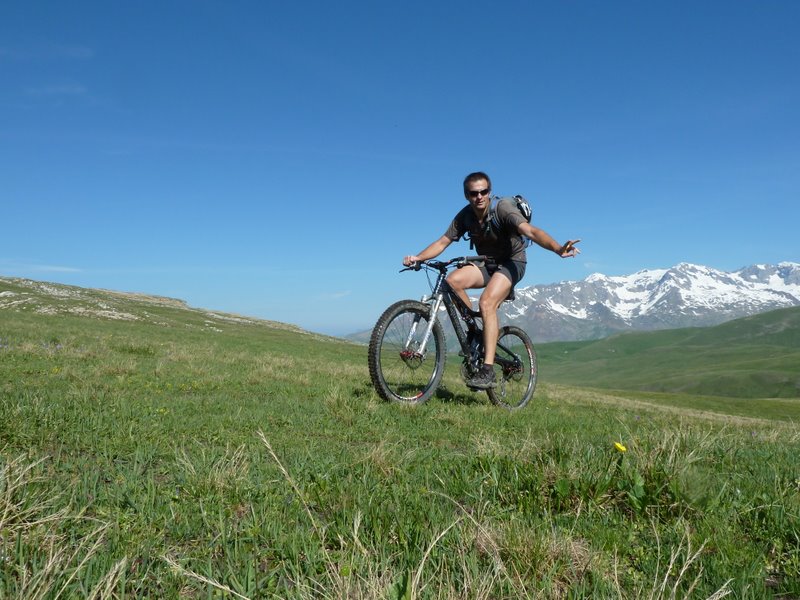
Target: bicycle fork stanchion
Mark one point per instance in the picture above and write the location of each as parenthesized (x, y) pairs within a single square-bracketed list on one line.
[(411, 333), (431, 322), (437, 296), (408, 354)]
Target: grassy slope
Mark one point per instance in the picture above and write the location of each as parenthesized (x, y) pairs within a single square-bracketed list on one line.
[(143, 436), (755, 357)]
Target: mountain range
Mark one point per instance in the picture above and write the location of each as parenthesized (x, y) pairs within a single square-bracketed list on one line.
[(685, 295)]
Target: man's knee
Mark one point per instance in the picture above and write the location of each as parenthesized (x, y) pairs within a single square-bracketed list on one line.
[(488, 305), (464, 278), (494, 294), (455, 283)]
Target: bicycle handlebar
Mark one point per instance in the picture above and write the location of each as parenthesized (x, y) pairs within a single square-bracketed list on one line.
[(442, 266)]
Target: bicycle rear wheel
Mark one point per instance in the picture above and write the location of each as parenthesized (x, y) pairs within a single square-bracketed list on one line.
[(399, 371), (515, 369)]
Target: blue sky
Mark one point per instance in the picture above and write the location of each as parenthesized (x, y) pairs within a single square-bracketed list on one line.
[(278, 159)]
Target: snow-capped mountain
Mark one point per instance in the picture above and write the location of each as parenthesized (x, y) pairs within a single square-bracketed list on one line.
[(684, 296)]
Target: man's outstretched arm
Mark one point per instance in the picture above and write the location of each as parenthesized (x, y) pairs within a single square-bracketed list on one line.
[(546, 241)]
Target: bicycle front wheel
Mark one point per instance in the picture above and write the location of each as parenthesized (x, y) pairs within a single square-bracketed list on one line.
[(515, 369), (400, 368)]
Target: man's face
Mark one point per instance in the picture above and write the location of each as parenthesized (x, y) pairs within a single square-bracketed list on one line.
[(478, 193)]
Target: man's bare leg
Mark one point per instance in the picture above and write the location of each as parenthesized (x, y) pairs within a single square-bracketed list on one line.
[(466, 278), (492, 297)]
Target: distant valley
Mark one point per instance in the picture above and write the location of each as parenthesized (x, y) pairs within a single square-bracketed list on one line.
[(751, 357)]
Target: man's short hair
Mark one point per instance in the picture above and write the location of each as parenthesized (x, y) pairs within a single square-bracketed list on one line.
[(477, 176)]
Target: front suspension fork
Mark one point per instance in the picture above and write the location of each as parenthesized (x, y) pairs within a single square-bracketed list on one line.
[(422, 349)]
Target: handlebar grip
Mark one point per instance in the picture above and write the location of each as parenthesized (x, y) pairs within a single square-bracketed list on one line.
[(463, 260)]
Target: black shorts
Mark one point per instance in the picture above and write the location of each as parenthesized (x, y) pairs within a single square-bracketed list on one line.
[(514, 270)]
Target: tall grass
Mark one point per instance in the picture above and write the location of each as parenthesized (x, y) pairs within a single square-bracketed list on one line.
[(41, 555), (140, 460)]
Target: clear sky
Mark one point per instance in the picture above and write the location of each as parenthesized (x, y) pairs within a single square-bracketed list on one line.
[(278, 158)]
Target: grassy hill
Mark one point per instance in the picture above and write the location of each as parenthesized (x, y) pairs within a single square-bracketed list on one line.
[(148, 449), (753, 357)]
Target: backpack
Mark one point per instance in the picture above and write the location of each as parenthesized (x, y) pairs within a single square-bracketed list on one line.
[(493, 221), (520, 203)]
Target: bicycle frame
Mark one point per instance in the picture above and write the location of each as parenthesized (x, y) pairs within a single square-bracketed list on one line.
[(457, 311), (441, 294)]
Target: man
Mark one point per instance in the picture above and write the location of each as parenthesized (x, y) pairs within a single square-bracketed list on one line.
[(505, 265)]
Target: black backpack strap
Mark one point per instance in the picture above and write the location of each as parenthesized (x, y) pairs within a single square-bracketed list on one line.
[(469, 221), (468, 237)]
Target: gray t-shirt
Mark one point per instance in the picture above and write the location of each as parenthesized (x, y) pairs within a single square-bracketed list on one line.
[(504, 245)]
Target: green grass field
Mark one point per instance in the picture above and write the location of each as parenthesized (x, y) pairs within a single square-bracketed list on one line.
[(174, 453)]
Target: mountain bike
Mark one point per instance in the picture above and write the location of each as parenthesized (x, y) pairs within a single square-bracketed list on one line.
[(407, 349)]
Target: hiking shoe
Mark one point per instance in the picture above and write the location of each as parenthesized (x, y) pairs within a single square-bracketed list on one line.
[(483, 379)]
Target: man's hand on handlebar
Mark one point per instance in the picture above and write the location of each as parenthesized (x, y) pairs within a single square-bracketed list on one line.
[(411, 261)]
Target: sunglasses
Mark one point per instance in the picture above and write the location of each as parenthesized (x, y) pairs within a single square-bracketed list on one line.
[(477, 193)]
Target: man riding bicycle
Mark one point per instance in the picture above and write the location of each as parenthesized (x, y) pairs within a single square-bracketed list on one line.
[(505, 264)]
